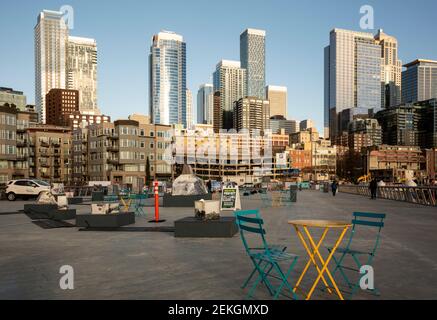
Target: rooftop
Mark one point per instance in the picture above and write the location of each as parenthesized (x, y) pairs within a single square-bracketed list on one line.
[(419, 61), (136, 264)]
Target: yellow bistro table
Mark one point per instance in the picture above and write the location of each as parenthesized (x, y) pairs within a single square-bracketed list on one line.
[(312, 248)]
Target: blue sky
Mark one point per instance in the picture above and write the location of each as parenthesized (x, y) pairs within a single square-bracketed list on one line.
[(297, 32)]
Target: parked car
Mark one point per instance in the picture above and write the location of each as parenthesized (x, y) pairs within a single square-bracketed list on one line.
[(25, 188)]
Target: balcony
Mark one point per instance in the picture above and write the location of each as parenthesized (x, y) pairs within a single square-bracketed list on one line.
[(21, 157), (56, 144), (112, 161), (113, 137), (112, 149), (21, 143), (44, 164), (44, 144)]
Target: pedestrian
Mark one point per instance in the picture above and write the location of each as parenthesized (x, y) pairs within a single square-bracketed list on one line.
[(373, 186), (334, 187), (209, 186)]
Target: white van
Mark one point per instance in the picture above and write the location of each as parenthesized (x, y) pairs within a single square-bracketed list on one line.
[(25, 188)]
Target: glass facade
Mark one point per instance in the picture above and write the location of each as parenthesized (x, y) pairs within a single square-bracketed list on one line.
[(352, 75), (168, 79), (368, 75), (205, 104), (419, 81), (252, 56)]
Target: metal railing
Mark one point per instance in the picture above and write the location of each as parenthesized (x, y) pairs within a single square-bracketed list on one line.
[(420, 195)]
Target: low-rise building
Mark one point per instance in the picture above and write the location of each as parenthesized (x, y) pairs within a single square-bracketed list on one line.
[(49, 153), (396, 163), (14, 141)]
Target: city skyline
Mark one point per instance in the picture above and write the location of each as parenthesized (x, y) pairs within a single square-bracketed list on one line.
[(114, 73)]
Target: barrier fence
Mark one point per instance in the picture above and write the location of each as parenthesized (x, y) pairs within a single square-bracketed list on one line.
[(420, 195)]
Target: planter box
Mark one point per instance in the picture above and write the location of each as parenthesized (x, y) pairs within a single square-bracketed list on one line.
[(62, 214), (74, 200), (105, 220), (48, 211), (97, 196), (183, 201), (191, 227)]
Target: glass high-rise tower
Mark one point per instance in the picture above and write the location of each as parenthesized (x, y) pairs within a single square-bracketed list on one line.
[(167, 79), (205, 100), (352, 75), (253, 59), (51, 40), (230, 82)]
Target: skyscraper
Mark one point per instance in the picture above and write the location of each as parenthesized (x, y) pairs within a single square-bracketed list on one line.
[(82, 72), (51, 40), (252, 113), (278, 100), (230, 81), (352, 74), (253, 59), (419, 81), (205, 104), (189, 113), (391, 68), (168, 79)]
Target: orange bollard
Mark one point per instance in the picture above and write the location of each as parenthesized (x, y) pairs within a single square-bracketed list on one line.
[(156, 192)]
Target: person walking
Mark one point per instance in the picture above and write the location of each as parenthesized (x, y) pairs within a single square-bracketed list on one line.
[(373, 186), (209, 186), (334, 187)]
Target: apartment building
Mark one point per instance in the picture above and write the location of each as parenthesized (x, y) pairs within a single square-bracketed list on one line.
[(119, 152), (251, 113), (49, 153), (14, 140)]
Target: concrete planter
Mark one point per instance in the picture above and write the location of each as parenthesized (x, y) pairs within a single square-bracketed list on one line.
[(183, 201), (105, 220), (191, 227)]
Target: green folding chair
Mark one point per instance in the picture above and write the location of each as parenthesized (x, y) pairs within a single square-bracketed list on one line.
[(139, 204), (266, 198), (360, 220), (285, 198), (265, 258)]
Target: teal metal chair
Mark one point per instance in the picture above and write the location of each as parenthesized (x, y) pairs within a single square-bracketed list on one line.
[(139, 204), (285, 198), (266, 198), (265, 258), (360, 220)]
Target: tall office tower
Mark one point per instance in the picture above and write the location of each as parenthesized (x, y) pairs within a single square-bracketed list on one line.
[(82, 72), (230, 81), (278, 100), (51, 40), (391, 69), (252, 113), (168, 79), (306, 124), (189, 104), (205, 104), (419, 81), (352, 74), (253, 59)]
